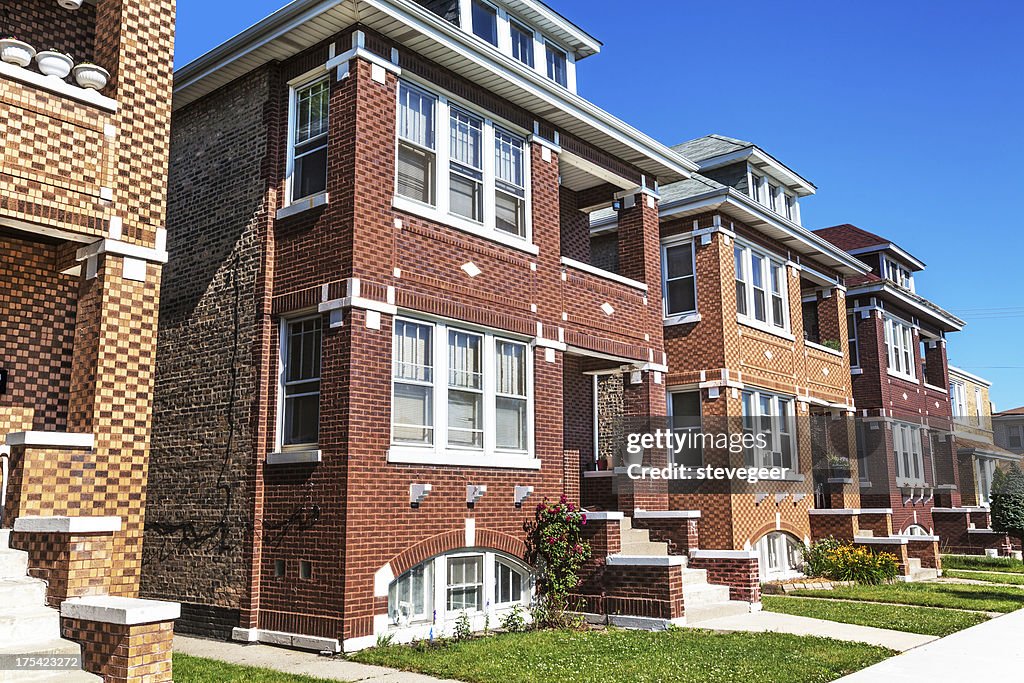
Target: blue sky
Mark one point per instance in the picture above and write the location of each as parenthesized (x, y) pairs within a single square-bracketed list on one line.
[(906, 115)]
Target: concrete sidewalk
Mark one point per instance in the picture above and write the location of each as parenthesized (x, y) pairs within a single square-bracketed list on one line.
[(295, 662), (806, 626), (987, 652)]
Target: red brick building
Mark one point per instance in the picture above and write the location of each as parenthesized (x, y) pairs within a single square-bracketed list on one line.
[(382, 322)]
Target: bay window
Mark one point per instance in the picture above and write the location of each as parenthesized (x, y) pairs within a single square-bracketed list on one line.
[(460, 392), (906, 441), (477, 174), (899, 348), (680, 288), (308, 144), (300, 385), (761, 288), (773, 416)]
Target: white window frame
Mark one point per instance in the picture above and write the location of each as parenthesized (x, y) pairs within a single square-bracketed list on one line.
[(908, 452), (985, 469), (900, 351), (853, 340), (440, 452), (778, 543), (1018, 430), (516, 568), (497, 21), (555, 47), (440, 210), (761, 457), (700, 409), (958, 398), (898, 274), (678, 316), (767, 261), (282, 365), (979, 405), (294, 86)]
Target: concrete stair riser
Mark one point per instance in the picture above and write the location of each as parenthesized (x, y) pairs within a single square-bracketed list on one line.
[(28, 625), (731, 608), (13, 564), (644, 549), (69, 676), (5, 539), (695, 576), (23, 592), (699, 595)]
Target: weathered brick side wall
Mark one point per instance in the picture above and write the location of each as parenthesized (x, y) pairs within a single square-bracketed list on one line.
[(741, 575), (121, 653), (840, 527), (880, 524), (37, 305), (926, 551), (211, 337)]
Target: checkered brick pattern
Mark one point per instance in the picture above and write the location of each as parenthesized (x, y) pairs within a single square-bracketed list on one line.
[(124, 653), (73, 565)]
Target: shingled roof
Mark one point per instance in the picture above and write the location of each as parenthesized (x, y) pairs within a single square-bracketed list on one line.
[(849, 237), (710, 146)]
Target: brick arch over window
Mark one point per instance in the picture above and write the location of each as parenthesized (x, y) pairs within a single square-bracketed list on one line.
[(456, 540), (785, 526)]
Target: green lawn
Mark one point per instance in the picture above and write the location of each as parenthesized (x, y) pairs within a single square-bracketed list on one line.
[(925, 620), (991, 564), (619, 656), (198, 670), (957, 596), (1008, 577)]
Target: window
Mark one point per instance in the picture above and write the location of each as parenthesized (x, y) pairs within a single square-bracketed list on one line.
[(416, 152), (780, 555), (755, 186), (684, 413), (509, 183), (680, 283), (812, 329), (465, 583), (986, 471), (482, 400), (508, 586), (979, 403), (485, 22), (1013, 436), (758, 277), (773, 416), (309, 139), (454, 174), (410, 597), (958, 397), (863, 449), (851, 330), (557, 66), (773, 198), (791, 209), (906, 440), (510, 395), (899, 348), (899, 274), (522, 43), (301, 357), (413, 414)]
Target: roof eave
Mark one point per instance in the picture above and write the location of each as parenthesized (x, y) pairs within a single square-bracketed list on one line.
[(801, 185), (946, 320), (917, 264)]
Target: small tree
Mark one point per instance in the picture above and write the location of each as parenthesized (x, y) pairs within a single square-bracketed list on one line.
[(1008, 502), (555, 546)]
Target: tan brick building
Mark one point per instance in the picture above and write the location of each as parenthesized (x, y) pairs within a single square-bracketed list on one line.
[(82, 203)]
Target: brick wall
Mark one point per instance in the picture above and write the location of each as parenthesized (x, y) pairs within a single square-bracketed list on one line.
[(121, 653), (739, 574)]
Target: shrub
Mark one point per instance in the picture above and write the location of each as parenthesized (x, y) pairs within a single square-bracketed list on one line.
[(837, 561), (463, 629), (555, 546), (513, 622), (1008, 502)]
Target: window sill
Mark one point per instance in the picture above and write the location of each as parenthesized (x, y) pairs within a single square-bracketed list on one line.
[(682, 319), (762, 327), (410, 455), (296, 457), (900, 375), (823, 348), (856, 371), (302, 205), (432, 214)]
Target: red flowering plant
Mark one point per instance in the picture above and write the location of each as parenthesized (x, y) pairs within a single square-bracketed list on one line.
[(555, 546)]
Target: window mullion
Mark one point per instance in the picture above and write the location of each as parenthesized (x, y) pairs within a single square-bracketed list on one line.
[(442, 168), (489, 185), (440, 348), (490, 416)]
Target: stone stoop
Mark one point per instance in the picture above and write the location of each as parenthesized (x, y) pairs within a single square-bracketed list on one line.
[(919, 573), (638, 541), (27, 626)]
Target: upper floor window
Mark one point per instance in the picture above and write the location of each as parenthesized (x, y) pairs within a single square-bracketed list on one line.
[(558, 69), (899, 348), (761, 288), (958, 397), (774, 198), (680, 289), (485, 22), (901, 275), (979, 404), (453, 172), (300, 358), (522, 43), (684, 412), (756, 182), (459, 389), (792, 213), (308, 145), (906, 439), (773, 416), (1015, 436), (851, 329)]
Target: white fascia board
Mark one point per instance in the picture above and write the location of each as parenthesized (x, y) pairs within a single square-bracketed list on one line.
[(604, 516), (954, 370), (607, 275), (666, 514), (880, 540), (582, 42), (936, 314)]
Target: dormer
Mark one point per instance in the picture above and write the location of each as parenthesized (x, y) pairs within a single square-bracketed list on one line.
[(888, 261), (527, 31), (748, 169)]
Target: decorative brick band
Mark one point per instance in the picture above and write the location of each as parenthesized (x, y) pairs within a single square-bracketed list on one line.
[(454, 540)]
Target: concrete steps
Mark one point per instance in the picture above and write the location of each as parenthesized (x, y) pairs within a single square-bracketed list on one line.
[(27, 626), (919, 573), (638, 541), (729, 608), (703, 594)]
